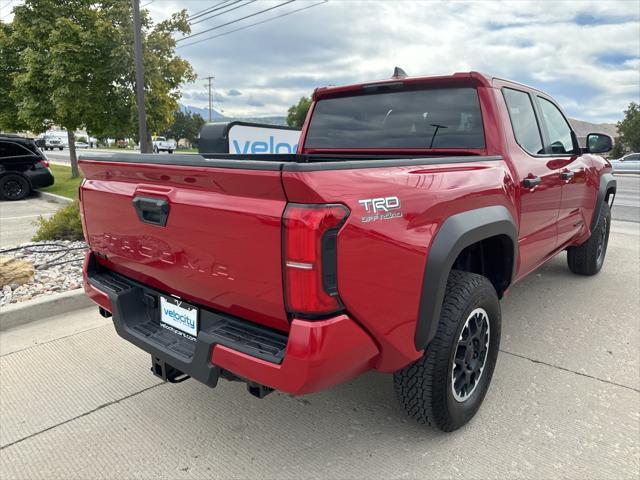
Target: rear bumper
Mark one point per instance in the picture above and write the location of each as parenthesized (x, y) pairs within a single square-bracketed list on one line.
[(40, 177), (314, 355)]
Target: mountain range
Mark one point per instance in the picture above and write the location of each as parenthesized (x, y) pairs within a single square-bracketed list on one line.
[(217, 116)]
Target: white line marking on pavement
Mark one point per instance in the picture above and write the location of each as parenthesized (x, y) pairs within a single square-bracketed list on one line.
[(27, 216)]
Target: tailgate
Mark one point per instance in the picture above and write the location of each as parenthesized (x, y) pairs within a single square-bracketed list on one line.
[(209, 235)]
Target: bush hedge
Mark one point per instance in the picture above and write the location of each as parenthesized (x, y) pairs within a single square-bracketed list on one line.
[(65, 224)]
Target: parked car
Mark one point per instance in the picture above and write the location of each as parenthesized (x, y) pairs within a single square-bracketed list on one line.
[(161, 144), (385, 244), (82, 145), (23, 167), (629, 163), (51, 142)]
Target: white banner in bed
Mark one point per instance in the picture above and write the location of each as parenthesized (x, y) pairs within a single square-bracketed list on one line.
[(245, 139)]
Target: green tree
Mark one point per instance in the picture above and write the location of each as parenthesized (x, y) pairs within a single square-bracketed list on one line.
[(77, 68), (618, 150), (185, 125), (9, 66), (629, 128), (297, 113)]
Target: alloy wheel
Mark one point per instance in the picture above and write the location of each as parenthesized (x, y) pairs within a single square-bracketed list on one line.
[(13, 189), (471, 355)]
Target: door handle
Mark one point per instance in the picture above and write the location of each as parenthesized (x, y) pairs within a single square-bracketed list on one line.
[(567, 175), (531, 182), (152, 210)]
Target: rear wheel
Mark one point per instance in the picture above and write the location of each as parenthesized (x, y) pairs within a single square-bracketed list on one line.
[(13, 187), (446, 386), (588, 258)]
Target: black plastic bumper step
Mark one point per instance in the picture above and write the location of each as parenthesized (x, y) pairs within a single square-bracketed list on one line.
[(137, 318)]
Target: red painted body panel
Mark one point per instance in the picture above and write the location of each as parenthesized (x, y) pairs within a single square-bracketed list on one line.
[(381, 263), (222, 247)]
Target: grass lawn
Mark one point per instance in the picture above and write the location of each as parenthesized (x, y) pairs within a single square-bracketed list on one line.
[(64, 184)]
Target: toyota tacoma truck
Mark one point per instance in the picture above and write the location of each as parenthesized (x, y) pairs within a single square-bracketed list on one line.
[(385, 243)]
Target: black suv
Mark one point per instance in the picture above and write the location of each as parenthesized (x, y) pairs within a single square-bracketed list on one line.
[(23, 167)]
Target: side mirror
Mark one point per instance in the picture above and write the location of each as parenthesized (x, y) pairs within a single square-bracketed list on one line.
[(599, 143)]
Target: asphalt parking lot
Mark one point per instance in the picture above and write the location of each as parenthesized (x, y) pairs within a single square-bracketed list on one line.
[(627, 202), (17, 219), (78, 402)]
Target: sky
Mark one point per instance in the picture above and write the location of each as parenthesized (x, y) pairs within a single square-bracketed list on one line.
[(585, 54)]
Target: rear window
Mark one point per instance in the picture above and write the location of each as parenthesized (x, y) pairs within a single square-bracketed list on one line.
[(436, 118)]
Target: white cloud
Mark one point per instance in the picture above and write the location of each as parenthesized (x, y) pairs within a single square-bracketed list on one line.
[(586, 54)]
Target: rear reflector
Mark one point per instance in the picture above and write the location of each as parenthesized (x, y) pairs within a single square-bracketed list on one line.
[(310, 257)]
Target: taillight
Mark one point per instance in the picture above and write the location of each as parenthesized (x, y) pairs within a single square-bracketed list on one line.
[(310, 257), (45, 163)]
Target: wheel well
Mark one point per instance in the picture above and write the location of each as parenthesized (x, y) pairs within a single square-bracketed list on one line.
[(491, 257)]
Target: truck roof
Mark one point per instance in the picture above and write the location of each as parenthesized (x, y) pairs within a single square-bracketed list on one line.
[(458, 78)]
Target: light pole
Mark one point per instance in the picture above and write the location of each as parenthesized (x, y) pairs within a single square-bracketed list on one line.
[(210, 79), (142, 111)]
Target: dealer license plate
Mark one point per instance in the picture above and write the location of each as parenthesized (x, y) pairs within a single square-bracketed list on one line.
[(180, 315)]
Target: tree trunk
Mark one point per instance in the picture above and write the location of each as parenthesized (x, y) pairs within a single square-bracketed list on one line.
[(71, 136)]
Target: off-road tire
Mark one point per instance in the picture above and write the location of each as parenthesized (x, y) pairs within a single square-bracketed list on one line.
[(588, 258), (425, 388), (14, 187)]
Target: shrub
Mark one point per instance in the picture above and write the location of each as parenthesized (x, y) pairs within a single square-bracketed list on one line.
[(65, 224)]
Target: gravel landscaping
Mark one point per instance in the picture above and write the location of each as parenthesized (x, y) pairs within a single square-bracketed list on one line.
[(58, 268)]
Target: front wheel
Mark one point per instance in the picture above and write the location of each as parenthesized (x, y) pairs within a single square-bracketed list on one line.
[(588, 258), (13, 187), (446, 386)]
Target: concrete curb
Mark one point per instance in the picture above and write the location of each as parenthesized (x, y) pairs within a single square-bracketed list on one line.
[(52, 197), (16, 314)]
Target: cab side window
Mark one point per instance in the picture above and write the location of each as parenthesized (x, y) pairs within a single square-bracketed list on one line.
[(560, 138), (523, 121), (11, 149)]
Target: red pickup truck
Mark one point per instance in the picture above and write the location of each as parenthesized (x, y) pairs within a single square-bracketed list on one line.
[(385, 243)]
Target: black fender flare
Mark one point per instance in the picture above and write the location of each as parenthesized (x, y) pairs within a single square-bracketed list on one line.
[(456, 233), (607, 182)]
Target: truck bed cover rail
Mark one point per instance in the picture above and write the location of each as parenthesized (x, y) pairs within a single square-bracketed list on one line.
[(286, 162)]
